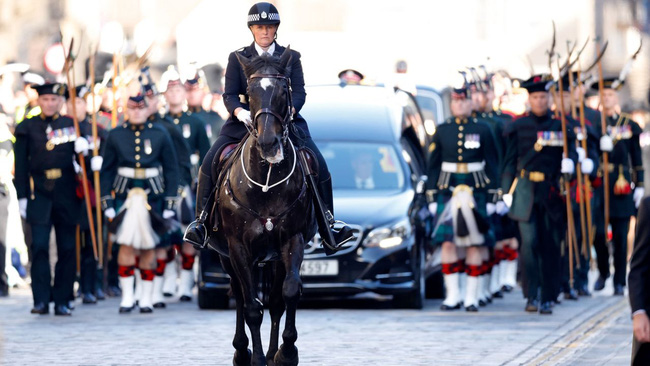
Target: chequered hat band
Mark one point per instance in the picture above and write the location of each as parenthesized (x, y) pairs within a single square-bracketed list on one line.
[(263, 16)]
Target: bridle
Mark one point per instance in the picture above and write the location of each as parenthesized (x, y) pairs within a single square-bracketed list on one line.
[(288, 117), (286, 120)]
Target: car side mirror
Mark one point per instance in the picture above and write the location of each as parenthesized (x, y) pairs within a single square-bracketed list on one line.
[(420, 186)]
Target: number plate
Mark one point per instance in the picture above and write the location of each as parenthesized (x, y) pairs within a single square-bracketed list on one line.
[(319, 268)]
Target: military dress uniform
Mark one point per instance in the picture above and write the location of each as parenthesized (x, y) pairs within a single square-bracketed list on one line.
[(462, 160), (625, 169), (137, 159), (212, 121), (45, 176), (531, 175), (194, 133)]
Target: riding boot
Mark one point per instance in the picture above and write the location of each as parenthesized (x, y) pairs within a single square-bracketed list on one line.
[(343, 235), (196, 233)]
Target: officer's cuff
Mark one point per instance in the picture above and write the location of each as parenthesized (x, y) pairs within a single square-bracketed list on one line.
[(170, 203), (107, 202)]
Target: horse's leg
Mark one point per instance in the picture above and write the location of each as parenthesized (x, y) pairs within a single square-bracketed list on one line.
[(253, 308), (292, 255), (276, 309), (240, 341)]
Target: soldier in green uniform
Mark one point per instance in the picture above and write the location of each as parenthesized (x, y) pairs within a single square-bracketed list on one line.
[(586, 160), (165, 251), (626, 190), (196, 87), (88, 281), (532, 167), (462, 165), (139, 168), (45, 182), (194, 133)]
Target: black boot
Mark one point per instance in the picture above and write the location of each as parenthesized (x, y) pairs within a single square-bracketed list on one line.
[(196, 233), (342, 235)]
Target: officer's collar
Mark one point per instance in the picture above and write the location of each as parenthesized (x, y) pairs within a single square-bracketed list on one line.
[(196, 109), (139, 127), (460, 120), (260, 51), (152, 117), (53, 117), (176, 115)]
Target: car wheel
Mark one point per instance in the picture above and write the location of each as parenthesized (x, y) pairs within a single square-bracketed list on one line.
[(213, 299), (414, 299)]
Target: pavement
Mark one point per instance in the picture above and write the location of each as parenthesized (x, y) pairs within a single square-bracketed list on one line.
[(360, 331)]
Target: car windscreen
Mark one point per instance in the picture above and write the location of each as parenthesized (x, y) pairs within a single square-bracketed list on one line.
[(362, 166)]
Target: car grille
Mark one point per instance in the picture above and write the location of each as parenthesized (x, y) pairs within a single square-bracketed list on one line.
[(314, 249)]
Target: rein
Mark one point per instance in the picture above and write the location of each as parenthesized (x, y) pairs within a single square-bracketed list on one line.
[(288, 117), (266, 187)]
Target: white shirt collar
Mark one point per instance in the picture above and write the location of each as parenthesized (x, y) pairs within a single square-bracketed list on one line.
[(260, 51)]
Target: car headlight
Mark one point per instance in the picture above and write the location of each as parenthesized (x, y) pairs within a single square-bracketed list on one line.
[(388, 236)]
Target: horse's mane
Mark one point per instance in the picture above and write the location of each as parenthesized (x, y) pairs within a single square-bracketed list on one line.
[(258, 62)]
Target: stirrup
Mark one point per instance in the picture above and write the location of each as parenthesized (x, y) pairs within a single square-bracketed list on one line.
[(196, 234)]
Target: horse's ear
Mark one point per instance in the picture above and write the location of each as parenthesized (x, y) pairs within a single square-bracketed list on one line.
[(285, 60), (244, 62)]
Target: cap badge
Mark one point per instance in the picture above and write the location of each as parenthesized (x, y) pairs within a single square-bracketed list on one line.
[(263, 15)]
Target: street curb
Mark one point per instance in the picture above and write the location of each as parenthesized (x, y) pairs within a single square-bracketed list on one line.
[(564, 341)]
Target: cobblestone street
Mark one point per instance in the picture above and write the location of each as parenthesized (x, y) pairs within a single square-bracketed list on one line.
[(366, 331)]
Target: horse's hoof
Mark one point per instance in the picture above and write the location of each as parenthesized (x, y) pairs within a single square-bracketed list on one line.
[(242, 360), (286, 358)]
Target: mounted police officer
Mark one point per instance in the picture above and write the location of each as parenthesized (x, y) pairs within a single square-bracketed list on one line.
[(45, 183), (626, 176), (143, 175), (263, 22), (532, 168), (463, 164)]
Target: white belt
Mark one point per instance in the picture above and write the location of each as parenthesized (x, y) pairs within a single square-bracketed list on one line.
[(462, 167), (138, 173)]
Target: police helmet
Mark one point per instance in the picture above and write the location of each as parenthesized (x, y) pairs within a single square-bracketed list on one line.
[(263, 13)]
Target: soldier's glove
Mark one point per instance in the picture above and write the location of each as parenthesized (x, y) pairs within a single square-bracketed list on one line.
[(502, 208), (587, 166), (568, 167), (433, 208), (81, 146), (168, 214), (22, 207), (491, 208), (109, 213), (639, 192), (507, 200), (606, 144), (194, 159), (96, 163), (244, 116), (581, 154), (77, 167)]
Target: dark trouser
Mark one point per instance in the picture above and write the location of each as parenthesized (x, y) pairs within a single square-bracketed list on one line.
[(540, 253), (88, 273), (324, 180), (4, 202), (64, 271), (580, 279), (620, 228), (111, 268)]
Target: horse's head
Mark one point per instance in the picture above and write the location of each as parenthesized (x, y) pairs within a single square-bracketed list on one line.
[(269, 91)]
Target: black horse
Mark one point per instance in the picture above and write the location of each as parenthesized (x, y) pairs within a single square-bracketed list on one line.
[(264, 214)]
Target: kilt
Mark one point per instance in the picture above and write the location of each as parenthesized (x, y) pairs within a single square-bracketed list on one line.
[(445, 229)]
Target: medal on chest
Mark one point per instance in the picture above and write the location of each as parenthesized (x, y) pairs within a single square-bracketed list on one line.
[(472, 141), (548, 138), (147, 147), (186, 131)]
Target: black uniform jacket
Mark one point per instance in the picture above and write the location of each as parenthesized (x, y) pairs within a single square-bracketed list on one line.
[(193, 131), (639, 277), (44, 170), (236, 85), (533, 156), (139, 146)]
